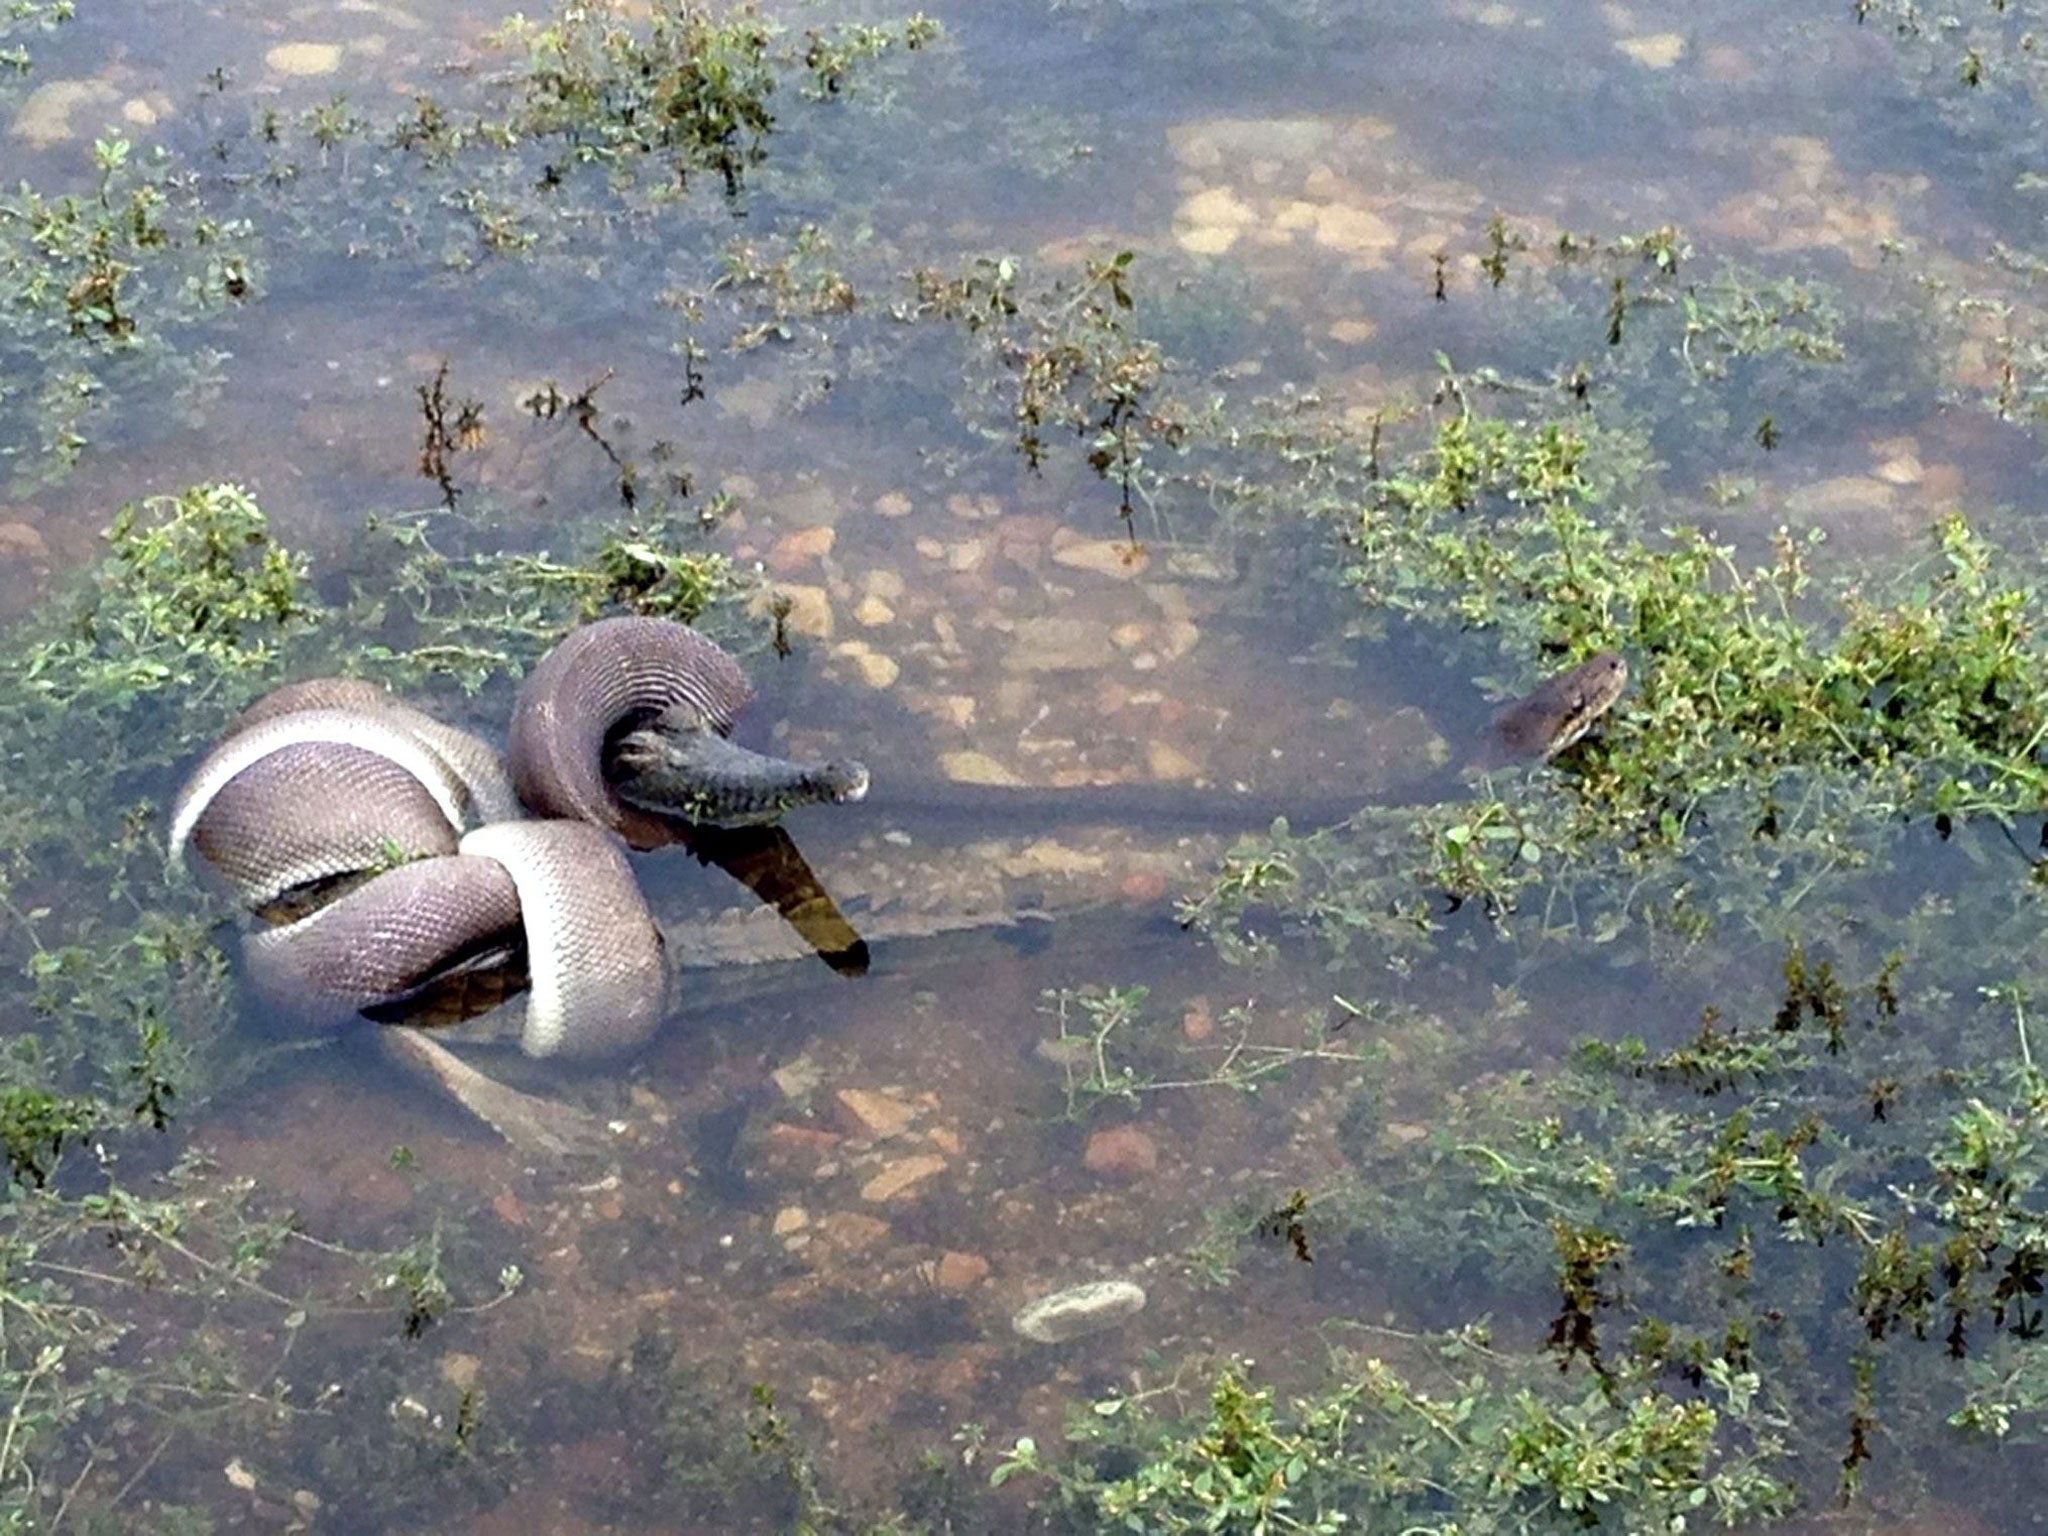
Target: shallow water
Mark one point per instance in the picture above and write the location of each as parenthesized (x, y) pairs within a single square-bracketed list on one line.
[(845, 1187)]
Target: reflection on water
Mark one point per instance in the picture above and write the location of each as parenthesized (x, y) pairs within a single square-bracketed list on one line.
[(1020, 1072)]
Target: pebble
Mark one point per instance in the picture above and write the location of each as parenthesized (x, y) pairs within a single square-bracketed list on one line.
[(1048, 856), (851, 1230), (45, 117), (1079, 1310), (1354, 231), (1842, 496), (876, 1114), (1353, 333), (1654, 50), (1121, 1152), (975, 768), (1120, 558), (791, 1218), (810, 609), (876, 670), (892, 504), (801, 548), (1145, 885), (1057, 644), (900, 1177), (22, 543), (873, 612), (960, 1271), (304, 59), (1169, 763)]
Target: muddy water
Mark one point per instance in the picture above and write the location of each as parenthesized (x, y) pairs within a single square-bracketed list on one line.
[(846, 1187)]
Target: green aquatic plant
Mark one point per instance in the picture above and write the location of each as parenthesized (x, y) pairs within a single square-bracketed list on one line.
[(1478, 1444), (1110, 1047), (99, 297), (1072, 362), (1780, 713)]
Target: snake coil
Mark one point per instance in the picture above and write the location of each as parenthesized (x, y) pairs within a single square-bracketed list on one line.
[(417, 848)]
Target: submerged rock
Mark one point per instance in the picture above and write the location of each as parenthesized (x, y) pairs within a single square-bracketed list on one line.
[(1079, 1310)]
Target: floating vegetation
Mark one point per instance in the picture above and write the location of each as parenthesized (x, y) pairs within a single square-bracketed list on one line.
[(99, 295)]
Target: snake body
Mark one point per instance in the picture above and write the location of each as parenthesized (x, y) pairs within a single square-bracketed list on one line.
[(420, 851), (388, 851)]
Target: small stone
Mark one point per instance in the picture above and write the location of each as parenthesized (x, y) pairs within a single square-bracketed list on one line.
[(239, 1475), (876, 670), (873, 612), (1654, 50), (1057, 644), (801, 1138), (1118, 558), (960, 1271), (1354, 231), (304, 59), (877, 1114), (1079, 1310), (1407, 1133), (801, 548), (22, 544), (956, 709), (791, 1218), (901, 1177), (1841, 496), (506, 1204), (975, 768), (885, 586), (850, 1231), (930, 548), (460, 1371), (809, 612), (1145, 885), (967, 556), (45, 117), (1128, 637), (1121, 1152), (1904, 469), (1216, 205), (1048, 856), (1208, 239), (306, 1502), (1169, 763), (1198, 1023), (1353, 333), (1178, 638), (138, 112), (797, 1079), (892, 504), (947, 1141)]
